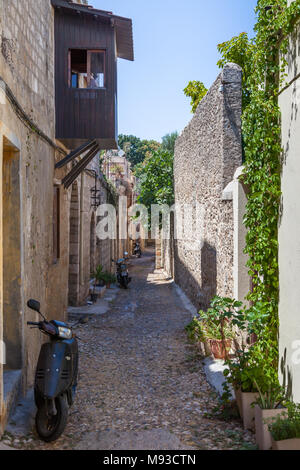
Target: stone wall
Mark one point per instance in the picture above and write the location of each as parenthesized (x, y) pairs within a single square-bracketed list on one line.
[(86, 250), (27, 168), (207, 153), (28, 268)]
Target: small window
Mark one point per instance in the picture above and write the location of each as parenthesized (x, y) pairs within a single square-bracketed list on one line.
[(87, 68), (56, 224)]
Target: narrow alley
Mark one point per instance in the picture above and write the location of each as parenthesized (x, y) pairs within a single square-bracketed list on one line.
[(141, 385)]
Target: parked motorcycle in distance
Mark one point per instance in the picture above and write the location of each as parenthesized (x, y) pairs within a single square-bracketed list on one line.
[(122, 271), (137, 250), (56, 375)]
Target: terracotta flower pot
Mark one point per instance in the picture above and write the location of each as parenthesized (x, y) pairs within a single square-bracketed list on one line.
[(262, 419), (286, 444), (217, 348), (244, 401)]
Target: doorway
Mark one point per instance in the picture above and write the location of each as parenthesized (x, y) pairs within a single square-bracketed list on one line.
[(11, 256)]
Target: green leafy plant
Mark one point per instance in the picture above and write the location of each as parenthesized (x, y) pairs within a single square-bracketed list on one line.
[(109, 278), (104, 276), (223, 314), (137, 150), (282, 429), (195, 331), (98, 274), (263, 65), (239, 50), (272, 398), (240, 373), (157, 184), (196, 91), (217, 322), (288, 427), (168, 141), (200, 330)]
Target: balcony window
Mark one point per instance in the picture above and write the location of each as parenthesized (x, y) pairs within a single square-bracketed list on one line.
[(87, 68)]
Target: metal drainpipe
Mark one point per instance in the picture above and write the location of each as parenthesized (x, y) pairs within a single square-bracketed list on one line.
[(81, 251)]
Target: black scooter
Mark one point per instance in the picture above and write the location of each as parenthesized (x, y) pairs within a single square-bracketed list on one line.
[(122, 271), (56, 375)]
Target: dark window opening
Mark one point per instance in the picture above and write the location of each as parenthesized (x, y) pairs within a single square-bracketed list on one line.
[(87, 68)]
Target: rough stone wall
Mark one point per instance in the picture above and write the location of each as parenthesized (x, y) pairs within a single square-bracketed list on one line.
[(207, 154), (86, 250), (167, 244), (27, 56), (27, 66), (106, 249)]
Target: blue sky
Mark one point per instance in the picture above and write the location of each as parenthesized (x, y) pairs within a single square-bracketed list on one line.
[(175, 42)]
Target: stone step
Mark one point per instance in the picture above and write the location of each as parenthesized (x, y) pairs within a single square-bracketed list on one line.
[(12, 380)]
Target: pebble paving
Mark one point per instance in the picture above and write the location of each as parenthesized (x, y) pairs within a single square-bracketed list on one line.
[(141, 384)]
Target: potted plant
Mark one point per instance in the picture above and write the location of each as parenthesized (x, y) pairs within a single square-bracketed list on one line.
[(285, 430), (109, 279), (241, 374), (98, 275), (207, 333), (267, 407), (255, 361), (219, 321), (217, 342)]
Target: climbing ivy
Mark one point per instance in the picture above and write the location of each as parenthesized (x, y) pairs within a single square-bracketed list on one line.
[(262, 146), (196, 91)]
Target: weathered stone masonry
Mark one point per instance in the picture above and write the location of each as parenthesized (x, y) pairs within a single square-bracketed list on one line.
[(28, 182), (27, 168), (207, 154)]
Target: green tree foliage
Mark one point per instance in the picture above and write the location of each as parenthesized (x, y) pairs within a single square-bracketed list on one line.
[(239, 50), (196, 91), (136, 149), (168, 141), (156, 179)]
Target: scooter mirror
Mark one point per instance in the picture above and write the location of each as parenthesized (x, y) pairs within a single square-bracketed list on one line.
[(34, 305)]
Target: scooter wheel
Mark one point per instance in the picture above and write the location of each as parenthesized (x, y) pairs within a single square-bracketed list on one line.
[(51, 428)]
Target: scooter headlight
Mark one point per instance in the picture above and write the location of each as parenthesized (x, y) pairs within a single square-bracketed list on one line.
[(64, 332)]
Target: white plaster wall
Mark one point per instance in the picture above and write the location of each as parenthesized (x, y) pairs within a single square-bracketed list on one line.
[(241, 278), (289, 224)]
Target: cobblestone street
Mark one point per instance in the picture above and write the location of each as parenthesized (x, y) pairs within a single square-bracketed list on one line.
[(141, 385)]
